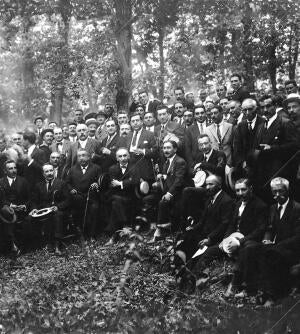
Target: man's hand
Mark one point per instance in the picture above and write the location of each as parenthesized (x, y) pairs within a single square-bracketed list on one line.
[(54, 208), (265, 147), (267, 242), (189, 228), (167, 197), (231, 247), (197, 166), (221, 246), (116, 183), (203, 242), (94, 186), (32, 212), (105, 150), (73, 192)]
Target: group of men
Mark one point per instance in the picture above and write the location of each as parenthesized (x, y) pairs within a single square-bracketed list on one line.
[(175, 167)]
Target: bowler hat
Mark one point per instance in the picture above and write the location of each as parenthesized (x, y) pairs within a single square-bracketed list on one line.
[(7, 215)]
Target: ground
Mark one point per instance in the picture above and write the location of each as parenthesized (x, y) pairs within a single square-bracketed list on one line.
[(124, 288)]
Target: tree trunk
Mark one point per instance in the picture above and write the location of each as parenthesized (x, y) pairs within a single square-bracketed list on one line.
[(293, 51), (123, 33), (247, 46), (62, 67), (272, 62), (161, 35)]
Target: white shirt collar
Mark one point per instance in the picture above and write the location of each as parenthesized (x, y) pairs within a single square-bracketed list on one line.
[(208, 155), (253, 122), (31, 149), (10, 180), (216, 196), (284, 205), (171, 160), (271, 120)]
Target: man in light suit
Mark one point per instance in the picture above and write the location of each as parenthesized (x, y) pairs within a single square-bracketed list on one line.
[(220, 133), (60, 145), (83, 142)]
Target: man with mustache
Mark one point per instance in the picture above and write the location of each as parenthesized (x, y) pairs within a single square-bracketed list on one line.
[(265, 266)]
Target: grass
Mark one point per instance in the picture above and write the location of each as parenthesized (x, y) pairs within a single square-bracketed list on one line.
[(124, 288)]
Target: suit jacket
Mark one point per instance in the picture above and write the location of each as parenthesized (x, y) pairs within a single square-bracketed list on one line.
[(18, 193), (47, 150), (215, 164), (81, 182), (171, 127), (57, 195), (285, 231), (244, 141), (252, 222), (148, 143), (152, 107), (226, 141), (106, 160), (191, 142), (128, 178), (91, 147), (66, 144), (176, 176), (241, 94), (283, 138), (32, 172), (215, 219)]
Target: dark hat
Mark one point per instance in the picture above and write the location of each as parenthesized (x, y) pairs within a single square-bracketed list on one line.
[(7, 215), (45, 131), (38, 117), (101, 113)]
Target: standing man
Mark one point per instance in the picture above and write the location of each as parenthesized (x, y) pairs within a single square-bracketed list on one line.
[(220, 133), (79, 116), (59, 144), (47, 139), (84, 142), (149, 121), (142, 147), (240, 93), (72, 132), (149, 105)]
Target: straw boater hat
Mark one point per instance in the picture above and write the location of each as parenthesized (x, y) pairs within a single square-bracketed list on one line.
[(292, 97), (92, 121)]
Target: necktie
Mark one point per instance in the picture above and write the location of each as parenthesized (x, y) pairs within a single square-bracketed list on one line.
[(201, 128), (249, 126), (83, 170), (167, 165), (123, 168), (48, 186), (59, 147), (133, 143), (219, 134), (13, 182), (162, 130), (205, 158), (108, 141)]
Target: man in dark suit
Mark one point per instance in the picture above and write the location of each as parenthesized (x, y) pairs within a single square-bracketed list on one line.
[(147, 104), (15, 194), (249, 218), (168, 130), (47, 139), (142, 147), (59, 144), (172, 178), (193, 132), (210, 230), (105, 153), (211, 162), (276, 142), (245, 134), (52, 193), (149, 121), (83, 142), (30, 167), (266, 265), (57, 161), (82, 182), (240, 92), (120, 195)]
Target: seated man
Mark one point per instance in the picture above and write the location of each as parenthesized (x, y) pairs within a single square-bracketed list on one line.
[(211, 162), (168, 187), (249, 218), (15, 194), (121, 193), (210, 230), (51, 193), (266, 265), (82, 182)]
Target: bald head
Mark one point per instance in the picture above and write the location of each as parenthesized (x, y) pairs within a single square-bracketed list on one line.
[(82, 131)]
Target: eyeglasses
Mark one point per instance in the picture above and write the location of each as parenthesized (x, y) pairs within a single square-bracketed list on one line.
[(248, 109)]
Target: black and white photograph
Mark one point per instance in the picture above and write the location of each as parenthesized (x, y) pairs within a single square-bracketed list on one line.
[(149, 166)]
